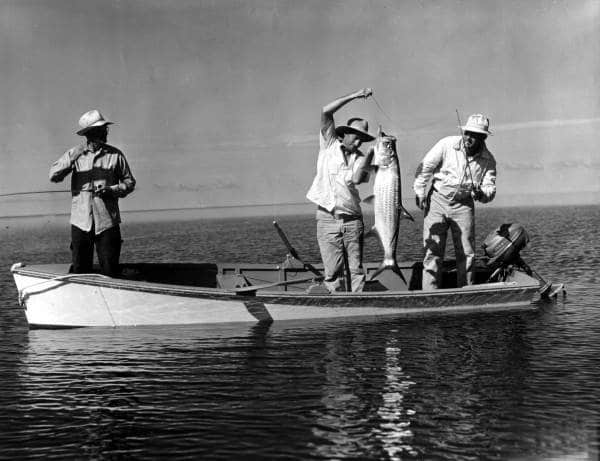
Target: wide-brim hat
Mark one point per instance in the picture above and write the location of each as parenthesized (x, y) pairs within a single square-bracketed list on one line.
[(357, 126), (91, 119), (477, 123)]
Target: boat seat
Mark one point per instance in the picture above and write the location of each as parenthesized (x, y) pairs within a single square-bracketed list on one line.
[(229, 281)]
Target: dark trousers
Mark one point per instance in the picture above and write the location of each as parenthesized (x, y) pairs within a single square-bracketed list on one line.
[(108, 248)]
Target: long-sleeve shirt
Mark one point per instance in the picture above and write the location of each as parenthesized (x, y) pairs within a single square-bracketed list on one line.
[(453, 174), (333, 187), (106, 166)]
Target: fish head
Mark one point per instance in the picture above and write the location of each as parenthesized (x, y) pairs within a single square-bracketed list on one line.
[(385, 151)]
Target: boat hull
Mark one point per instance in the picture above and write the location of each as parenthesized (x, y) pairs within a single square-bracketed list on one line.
[(54, 299)]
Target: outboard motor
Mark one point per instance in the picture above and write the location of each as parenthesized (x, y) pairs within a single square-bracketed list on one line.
[(503, 246)]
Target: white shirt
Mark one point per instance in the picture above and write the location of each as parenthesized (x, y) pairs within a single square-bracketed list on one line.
[(332, 187), (453, 174), (108, 165)]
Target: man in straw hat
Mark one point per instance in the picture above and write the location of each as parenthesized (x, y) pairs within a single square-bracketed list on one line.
[(461, 170), (340, 167), (100, 176)]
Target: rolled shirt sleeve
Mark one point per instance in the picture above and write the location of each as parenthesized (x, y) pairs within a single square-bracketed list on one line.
[(60, 169), (430, 163), (327, 131)]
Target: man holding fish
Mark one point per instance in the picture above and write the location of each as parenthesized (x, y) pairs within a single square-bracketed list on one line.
[(461, 170), (340, 167)]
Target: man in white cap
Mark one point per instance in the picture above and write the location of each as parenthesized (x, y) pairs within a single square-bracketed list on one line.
[(340, 167), (461, 170), (100, 176)]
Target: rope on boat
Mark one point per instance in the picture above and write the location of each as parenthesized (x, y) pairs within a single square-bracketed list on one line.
[(25, 292)]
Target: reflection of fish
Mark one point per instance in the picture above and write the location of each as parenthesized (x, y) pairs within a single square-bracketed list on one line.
[(387, 198)]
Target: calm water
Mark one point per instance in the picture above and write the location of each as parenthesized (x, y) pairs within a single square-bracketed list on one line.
[(503, 386)]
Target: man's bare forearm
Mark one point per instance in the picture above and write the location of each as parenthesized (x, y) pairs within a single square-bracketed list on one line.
[(335, 105)]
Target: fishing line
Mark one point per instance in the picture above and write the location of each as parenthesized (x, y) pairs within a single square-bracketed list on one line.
[(277, 184), (381, 109), (394, 123)]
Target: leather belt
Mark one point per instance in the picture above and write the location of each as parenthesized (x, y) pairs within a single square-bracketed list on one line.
[(341, 216)]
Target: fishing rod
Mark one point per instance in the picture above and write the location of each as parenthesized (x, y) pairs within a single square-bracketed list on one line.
[(463, 143), (12, 194)]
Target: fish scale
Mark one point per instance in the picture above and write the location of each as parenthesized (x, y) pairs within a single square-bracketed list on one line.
[(387, 197)]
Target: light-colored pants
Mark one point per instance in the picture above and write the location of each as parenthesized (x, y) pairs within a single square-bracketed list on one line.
[(334, 235), (459, 217)]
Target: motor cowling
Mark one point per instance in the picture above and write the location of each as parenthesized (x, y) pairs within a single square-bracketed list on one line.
[(503, 245)]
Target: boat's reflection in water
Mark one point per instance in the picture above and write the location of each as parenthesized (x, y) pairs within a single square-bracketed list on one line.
[(394, 429), (363, 398)]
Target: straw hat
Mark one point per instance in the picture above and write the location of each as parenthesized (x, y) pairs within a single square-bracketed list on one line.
[(356, 126), (91, 119), (477, 123)]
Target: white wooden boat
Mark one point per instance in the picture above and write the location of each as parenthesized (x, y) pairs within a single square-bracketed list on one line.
[(203, 293)]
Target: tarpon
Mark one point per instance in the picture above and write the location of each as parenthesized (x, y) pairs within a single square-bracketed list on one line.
[(387, 200)]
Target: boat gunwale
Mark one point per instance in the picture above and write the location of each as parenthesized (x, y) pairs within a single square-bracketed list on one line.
[(269, 296)]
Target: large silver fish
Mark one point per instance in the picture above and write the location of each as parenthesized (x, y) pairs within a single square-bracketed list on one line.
[(387, 200)]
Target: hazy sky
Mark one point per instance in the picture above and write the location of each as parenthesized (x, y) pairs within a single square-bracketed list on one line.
[(218, 102)]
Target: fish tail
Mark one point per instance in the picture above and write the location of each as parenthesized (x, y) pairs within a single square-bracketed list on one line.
[(389, 266)]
